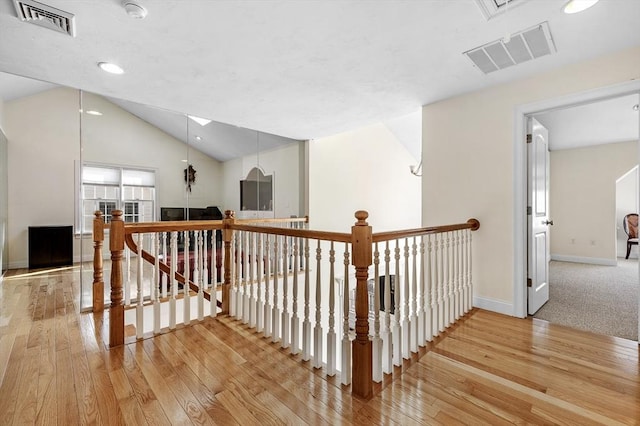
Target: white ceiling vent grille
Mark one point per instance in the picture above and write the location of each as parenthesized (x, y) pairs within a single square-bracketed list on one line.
[(522, 46), (45, 16)]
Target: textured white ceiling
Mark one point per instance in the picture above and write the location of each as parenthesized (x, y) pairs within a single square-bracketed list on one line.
[(299, 69)]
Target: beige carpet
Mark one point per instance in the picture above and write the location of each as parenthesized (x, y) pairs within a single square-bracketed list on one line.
[(602, 299)]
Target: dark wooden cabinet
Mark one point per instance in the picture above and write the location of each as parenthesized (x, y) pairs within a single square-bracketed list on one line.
[(50, 246)]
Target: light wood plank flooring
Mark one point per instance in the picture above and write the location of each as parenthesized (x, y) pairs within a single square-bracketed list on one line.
[(489, 369)]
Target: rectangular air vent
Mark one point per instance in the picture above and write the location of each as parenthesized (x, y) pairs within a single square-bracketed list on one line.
[(492, 8), (523, 46), (45, 16)]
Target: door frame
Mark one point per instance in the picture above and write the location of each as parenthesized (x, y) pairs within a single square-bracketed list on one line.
[(520, 174)]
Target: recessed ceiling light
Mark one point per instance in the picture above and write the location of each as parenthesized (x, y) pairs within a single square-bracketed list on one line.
[(198, 138), (200, 121), (110, 68), (575, 6), (94, 112)]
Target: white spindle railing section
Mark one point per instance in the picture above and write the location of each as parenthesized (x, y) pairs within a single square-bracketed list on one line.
[(396, 292)]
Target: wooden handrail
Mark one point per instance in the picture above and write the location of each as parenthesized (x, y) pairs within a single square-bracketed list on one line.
[(302, 233), (472, 224)]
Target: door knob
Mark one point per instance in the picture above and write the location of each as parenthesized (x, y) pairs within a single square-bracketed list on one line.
[(547, 222)]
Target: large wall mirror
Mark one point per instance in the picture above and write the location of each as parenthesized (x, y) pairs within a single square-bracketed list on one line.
[(76, 152)]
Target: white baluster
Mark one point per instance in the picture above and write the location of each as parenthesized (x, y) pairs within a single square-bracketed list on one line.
[(238, 275), (127, 282), (331, 334), (195, 277), (139, 295), (423, 299), (376, 342), (317, 330), (452, 284), (275, 319), (200, 281), (346, 340), (155, 284), (186, 293), (172, 279), (406, 338), (252, 284), (396, 331), (246, 268), (469, 272), (286, 324), (413, 318), (428, 292), (259, 276), (442, 289), (213, 294), (165, 278), (295, 321), (437, 285), (306, 323), (268, 310), (387, 337), (458, 284)]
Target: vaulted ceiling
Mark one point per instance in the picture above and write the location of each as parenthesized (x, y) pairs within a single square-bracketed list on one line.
[(299, 69)]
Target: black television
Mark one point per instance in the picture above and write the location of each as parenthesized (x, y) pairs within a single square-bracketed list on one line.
[(172, 213)]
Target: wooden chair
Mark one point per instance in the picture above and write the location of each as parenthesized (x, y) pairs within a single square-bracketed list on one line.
[(630, 225)]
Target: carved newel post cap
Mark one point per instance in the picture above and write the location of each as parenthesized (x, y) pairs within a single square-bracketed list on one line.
[(98, 214), (228, 214), (116, 214), (362, 216)]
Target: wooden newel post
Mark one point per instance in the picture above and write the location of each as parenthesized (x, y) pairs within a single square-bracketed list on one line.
[(116, 311), (227, 236), (362, 370), (98, 281)]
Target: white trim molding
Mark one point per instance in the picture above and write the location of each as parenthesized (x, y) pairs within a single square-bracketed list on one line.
[(581, 259), (493, 305)]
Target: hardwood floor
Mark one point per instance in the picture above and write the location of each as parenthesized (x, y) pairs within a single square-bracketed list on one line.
[(489, 369)]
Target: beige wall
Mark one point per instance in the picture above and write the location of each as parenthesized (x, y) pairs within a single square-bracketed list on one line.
[(469, 160), (365, 169), (44, 143), (583, 200), (2, 126)]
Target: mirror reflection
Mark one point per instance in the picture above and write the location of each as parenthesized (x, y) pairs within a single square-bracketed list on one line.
[(81, 152)]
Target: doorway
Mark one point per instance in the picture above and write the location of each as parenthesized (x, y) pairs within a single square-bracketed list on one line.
[(520, 178)]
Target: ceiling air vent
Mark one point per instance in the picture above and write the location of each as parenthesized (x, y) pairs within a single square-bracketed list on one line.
[(45, 16), (521, 47)]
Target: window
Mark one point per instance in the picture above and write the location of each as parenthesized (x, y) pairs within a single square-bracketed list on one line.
[(108, 188)]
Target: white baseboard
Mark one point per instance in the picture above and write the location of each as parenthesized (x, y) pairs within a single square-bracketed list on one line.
[(493, 305), (580, 259), (18, 265)]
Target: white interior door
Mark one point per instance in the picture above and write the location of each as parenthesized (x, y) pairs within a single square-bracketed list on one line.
[(538, 255)]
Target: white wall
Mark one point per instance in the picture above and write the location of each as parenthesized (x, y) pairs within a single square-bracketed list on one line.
[(583, 200), (2, 126), (285, 164), (469, 161), (626, 202), (44, 143), (365, 169)]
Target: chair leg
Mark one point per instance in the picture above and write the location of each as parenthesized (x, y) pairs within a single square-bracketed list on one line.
[(628, 250)]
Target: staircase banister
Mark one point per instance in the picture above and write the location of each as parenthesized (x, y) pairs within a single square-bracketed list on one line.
[(169, 226), (304, 219), (302, 233), (472, 224)]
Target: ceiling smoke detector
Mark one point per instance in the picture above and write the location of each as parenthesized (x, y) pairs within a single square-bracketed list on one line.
[(134, 9)]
